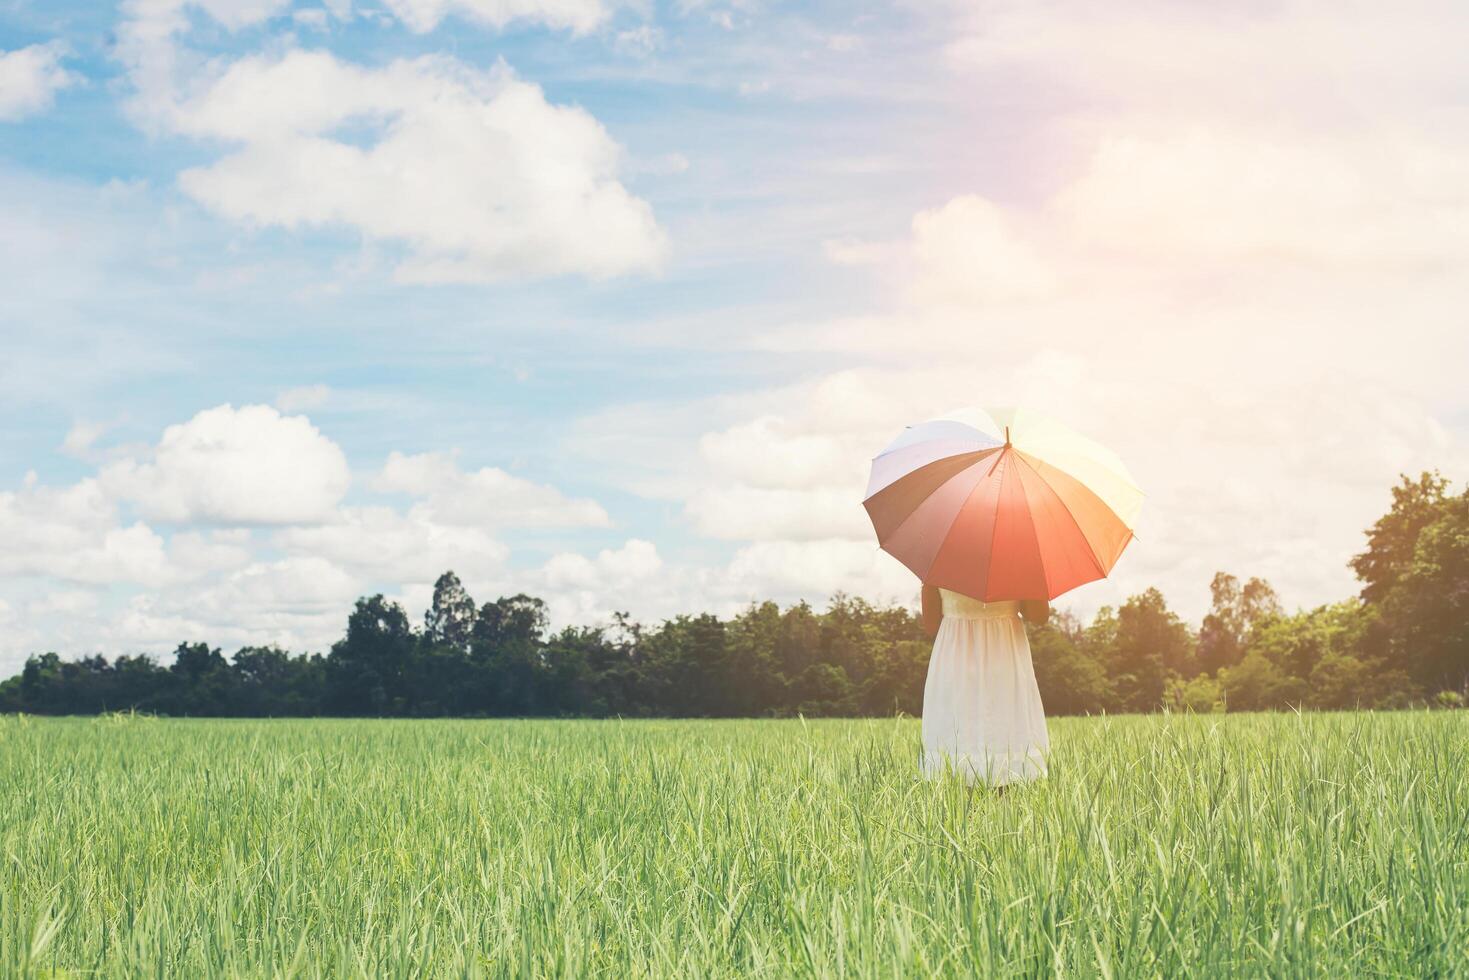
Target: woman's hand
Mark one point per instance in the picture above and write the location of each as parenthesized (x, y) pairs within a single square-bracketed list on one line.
[(933, 610), (1035, 611)]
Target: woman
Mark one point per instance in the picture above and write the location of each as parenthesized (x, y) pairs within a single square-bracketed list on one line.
[(982, 714)]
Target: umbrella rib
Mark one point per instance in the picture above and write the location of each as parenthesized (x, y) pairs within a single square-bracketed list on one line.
[(1074, 522), (995, 523)]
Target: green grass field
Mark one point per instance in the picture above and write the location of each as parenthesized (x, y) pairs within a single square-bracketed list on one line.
[(1272, 845)]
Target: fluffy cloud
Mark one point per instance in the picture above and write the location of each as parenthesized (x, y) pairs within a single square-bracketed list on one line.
[(197, 553), (488, 497), (1184, 60), (581, 589), (30, 78), (381, 544), (815, 570), (1386, 205), (792, 477), (73, 534), (744, 513), (473, 174), (969, 252), (636, 559), (777, 453), (249, 465), (294, 602)]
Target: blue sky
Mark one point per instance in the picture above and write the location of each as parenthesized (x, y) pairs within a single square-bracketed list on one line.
[(650, 283)]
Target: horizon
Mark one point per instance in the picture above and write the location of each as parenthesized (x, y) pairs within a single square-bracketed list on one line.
[(279, 334)]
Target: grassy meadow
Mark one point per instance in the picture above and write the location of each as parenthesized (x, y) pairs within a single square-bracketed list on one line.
[(1279, 845)]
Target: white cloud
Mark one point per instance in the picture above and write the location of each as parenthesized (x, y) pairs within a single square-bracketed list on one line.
[(855, 251), (380, 544), (1381, 205), (66, 602), (639, 42), (30, 78), (776, 452), (473, 174), (229, 466), (578, 16), (302, 398), (792, 477), (80, 437), (743, 513), (315, 18), (816, 570), (969, 252), (1335, 64), (634, 560), (73, 534), (278, 598), (196, 552), (584, 590), (488, 497)]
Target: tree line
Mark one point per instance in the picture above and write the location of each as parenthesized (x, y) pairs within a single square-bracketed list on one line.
[(1403, 641)]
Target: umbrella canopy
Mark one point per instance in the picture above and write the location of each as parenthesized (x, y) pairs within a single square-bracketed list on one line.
[(1001, 504)]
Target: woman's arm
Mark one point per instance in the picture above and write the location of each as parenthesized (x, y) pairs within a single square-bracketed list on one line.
[(1035, 611), (933, 610)]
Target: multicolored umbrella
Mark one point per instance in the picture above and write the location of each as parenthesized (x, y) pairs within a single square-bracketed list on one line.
[(1001, 504)]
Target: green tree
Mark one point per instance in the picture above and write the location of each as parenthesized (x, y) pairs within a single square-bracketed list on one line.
[(824, 690), (1258, 684), (1416, 572), (688, 667), (1340, 680), (40, 682), (1070, 681), (1428, 608), (799, 642), (271, 682), (1202, 694), (1297, 643), (368, 669), (449, 621), (758, 682), (204, 683), (506, 647), (1392, 542), (1148, 643), (1235, 612)]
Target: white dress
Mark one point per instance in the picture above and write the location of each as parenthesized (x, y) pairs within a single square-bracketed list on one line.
[(982, 714)]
